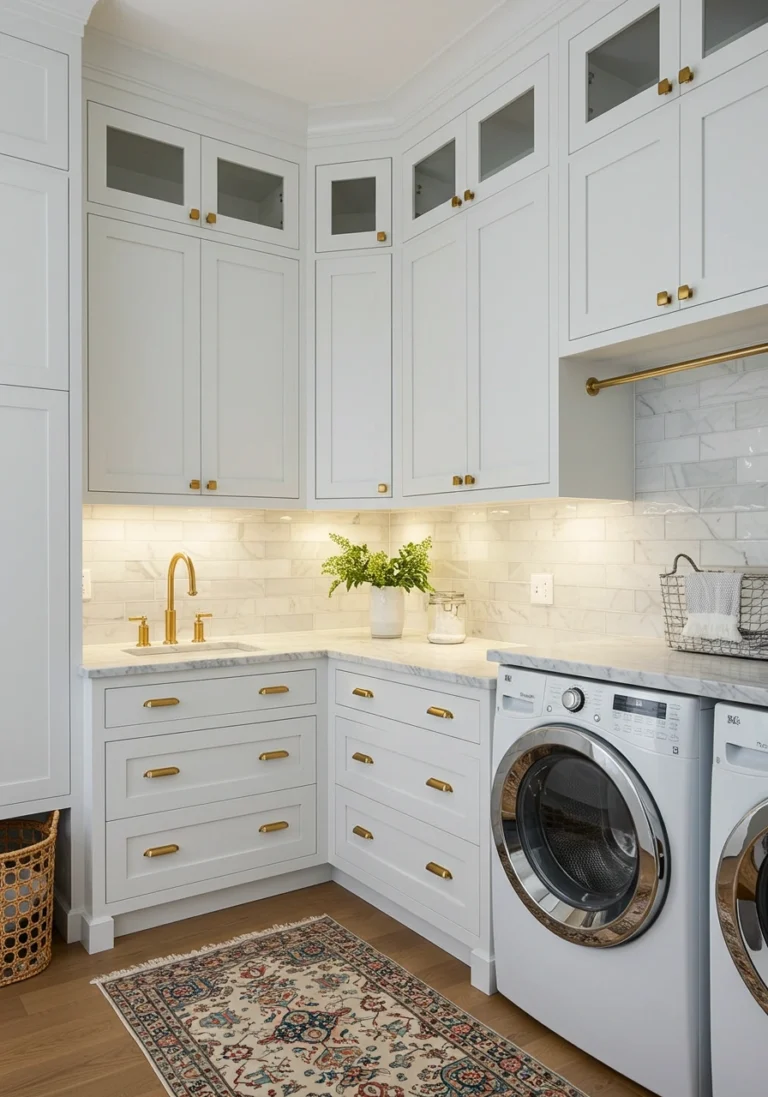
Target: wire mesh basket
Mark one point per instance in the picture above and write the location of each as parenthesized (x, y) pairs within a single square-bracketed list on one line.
[(753, 616)]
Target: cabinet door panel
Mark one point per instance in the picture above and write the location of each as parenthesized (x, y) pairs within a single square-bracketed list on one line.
[(508, 337), (250, 194), (34, 102), (353, 377), (724, 231), (34, 641), (624, 228), (250, 372), (718, 35), (435, 360), (353, 206), (433, 177), (143, 358), (34, 276)]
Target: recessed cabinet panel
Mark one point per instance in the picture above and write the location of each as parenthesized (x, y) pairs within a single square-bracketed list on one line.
[(354, 205), (34, 102), (718, 35), (140, 165), (432, 178), (250, 194), (34, 640), (250, 372), (624, 229), (143, 358), (353, 378), (34, 276)]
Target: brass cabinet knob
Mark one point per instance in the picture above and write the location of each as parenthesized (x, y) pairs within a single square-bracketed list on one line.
[(469, 195), (361, 832), (663, 297), (684, 293), (143, 640), (381, 237), (469, 479), (685, 75), (457, 481), (383, 489), (664, 86), (194, 485), (194, 215), (199, 628), (212, 485), (210, 218), (455, 201)]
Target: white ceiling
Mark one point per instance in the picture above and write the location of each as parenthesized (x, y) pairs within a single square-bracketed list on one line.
[(321, 52)]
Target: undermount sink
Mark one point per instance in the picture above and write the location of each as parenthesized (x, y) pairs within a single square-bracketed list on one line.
[(221, 647)]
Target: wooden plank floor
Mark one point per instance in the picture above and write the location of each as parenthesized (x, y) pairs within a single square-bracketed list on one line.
[(59, 1036)]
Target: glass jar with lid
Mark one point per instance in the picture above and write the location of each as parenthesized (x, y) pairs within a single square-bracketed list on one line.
[(447, 611)]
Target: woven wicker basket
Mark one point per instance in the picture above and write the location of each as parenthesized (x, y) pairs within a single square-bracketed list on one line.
[(27, 849)]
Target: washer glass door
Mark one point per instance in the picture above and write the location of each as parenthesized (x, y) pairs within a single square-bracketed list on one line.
[(742, 900), (579, 836)]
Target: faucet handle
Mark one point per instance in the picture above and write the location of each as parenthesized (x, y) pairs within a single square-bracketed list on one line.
[(199, 635), (143, 640)]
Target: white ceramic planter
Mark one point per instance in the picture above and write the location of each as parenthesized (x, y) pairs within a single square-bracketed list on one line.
[(387, 612)]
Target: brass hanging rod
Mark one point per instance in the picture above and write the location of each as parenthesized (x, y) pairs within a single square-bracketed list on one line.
[(594, 386)]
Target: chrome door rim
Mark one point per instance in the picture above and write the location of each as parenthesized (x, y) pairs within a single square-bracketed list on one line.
[(738, 870), (563, 919)]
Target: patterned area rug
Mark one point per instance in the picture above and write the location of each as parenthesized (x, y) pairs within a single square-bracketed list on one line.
[(312, 1009)]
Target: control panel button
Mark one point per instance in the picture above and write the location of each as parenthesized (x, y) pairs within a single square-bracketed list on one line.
[(573, 699)]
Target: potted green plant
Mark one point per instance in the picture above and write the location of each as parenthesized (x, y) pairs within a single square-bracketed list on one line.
[(389, 576)]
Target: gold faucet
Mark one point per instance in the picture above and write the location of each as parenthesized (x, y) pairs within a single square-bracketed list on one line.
[(170, 610)]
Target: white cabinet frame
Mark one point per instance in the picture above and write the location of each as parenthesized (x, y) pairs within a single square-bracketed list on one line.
[(325, 176)]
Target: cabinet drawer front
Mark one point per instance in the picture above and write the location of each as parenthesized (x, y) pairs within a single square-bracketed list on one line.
[(397, 855), (203, 843), (154, 704), (411, 771), (210, 765), (422, 706)]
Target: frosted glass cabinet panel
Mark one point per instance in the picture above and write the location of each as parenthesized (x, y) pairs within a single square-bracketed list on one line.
[(353, 205), (250, 194), (434, 177), (717, 35)]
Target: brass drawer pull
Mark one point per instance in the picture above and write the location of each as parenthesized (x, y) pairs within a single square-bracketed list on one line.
[(271, 755), (270, 828), (364, 758), (267, 691), (358, 691), (361, 832), (164, 771), (438, 870), (443, 713), (162, 702), (441, 786), (161, 851)]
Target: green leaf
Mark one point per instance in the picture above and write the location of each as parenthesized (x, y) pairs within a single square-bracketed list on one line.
[(356, 565)]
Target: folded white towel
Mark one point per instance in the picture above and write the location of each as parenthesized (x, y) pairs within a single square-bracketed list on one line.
[(713, 600)]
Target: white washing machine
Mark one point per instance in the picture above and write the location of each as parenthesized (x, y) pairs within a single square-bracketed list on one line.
[(739, 912), (600, 816)]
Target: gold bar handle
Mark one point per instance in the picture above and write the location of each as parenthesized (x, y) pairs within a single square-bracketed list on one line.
[(443, 713), (270, 828), (267, 691), (441, 786), (271, 755), (364, 758), (161, 851), (162, 702), (361, 832), (438, 870), (164, 771), (358, 691)]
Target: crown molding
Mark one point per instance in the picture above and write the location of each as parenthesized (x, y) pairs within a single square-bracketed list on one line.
[(67, 15)]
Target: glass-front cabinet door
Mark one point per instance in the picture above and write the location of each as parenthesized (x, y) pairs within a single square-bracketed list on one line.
[(250, 194), (621, 66), (717, 35), (433, 183), (353, 206)]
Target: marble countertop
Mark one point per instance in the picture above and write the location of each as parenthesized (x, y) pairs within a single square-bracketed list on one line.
[(463, 664)]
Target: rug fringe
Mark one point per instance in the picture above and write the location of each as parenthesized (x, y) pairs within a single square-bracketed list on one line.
[(149, 965)]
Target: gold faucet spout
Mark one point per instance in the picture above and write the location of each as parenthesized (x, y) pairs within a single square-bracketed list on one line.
[(170, 610)]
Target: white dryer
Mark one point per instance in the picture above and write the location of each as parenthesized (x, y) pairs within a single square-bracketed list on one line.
[(599, 812), (739, 918)]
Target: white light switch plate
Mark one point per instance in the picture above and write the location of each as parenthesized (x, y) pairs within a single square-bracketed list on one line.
[(87, 585), (542, 590)]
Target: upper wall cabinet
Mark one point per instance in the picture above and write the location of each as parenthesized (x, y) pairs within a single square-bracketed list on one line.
[(250, 194), (353, 205), (717, 35), (34, 102), (431, 177)]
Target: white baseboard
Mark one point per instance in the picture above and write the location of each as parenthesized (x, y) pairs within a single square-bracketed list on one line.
[(68, 922), (483, 967)]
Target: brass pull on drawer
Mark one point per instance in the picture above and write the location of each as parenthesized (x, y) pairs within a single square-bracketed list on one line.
[(271, 755), (361, 832), (364, 758), (358, 691), (270, 828), (267, 691), (161, 851), (164, 771), (443, 713), (441, 786), (162, 702), (438, 870)]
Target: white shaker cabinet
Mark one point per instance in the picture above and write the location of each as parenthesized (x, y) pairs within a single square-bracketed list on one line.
[(34, 640), (353, 377), (718, 35), (143, 359), (34, 102), (431, 178), (247, 193), (250, 373), (353, 205), (34, 275)]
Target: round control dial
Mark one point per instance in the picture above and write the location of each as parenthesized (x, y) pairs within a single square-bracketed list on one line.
[(573, 699)]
